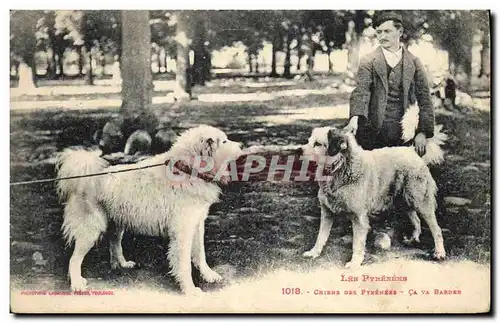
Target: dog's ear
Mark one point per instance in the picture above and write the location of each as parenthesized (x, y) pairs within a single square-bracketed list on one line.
[(210, 144), (336, 142), (97, 136), (331, 151)]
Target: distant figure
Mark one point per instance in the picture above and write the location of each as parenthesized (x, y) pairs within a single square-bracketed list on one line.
[(25, 77), (310, 67), (450, 93), (117, 77), (446, 94)]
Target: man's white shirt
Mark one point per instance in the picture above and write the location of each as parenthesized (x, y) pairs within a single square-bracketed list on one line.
[(393, 58)]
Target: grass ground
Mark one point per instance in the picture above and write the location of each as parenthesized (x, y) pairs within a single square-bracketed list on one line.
[(258, 227)]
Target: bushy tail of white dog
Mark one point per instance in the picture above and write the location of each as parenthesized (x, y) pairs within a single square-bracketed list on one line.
[(434, 154), (77, 162)]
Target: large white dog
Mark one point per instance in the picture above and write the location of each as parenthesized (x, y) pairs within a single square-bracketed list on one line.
[(364, 182), (145, 201)]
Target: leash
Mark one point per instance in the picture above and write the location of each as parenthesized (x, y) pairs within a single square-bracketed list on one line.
[(180, 165), (48, 180)]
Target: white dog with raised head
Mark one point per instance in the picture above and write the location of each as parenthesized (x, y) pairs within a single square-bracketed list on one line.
[(145, 201), (363, 182)]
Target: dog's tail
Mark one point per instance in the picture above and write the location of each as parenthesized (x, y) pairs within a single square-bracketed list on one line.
[(78, 162), (434, 154)]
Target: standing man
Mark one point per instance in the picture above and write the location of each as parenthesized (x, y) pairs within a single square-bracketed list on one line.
[(388, 81)]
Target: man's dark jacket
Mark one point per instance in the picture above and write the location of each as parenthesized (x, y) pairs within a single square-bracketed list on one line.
[(369, 98)]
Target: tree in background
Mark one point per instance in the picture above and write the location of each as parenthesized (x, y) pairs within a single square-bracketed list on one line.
[(47, 40), (163, 35), (329, 29), (454, 31), (356, 22), (482, 18), (96, 36), (183, 39), (292, 28), (226, 27), (202, 58), (100, 31), (137, 85), (23, 43)]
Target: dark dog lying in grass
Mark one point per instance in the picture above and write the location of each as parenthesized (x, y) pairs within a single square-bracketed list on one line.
[(131, 136)]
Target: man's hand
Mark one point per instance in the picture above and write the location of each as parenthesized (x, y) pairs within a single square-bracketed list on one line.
[(420, 143), (352, 126)]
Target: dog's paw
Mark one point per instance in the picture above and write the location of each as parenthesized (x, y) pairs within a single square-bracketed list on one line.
[(211, 276), (352, 264), (78, 285), (114, 264), (128, 264), (411, 241), (439, 255), (313, 254), (415, 237)]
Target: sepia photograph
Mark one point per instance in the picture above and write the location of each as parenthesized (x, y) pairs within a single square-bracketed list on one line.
[(250, 161)]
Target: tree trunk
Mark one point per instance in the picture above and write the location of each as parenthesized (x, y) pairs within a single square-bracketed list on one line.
[(165, 59), (103, 64), (53, 61), (90, 72), (273, 61), (257, 64), (299, 52), (16, 67), (51, 64), (353, 45), (288, 54), (60, 62), (137, 82), (182, 79), (485, 55), (81, 59), (310, 65), (330, 65), (158, 59), (199, 67), (47, 61), (208, 65), (34, 74), (201, 55), (462, 70), (250, 65), (460, 61)]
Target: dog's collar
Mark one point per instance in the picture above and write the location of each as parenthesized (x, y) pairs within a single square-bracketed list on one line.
[(181, 166)]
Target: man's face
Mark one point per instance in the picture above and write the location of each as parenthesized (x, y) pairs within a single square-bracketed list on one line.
[(388, 35)]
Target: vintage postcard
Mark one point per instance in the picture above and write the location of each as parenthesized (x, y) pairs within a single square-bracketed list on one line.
[(263, 161)]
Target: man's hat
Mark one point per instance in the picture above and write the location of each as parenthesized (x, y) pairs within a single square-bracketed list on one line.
[(383, 16)]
